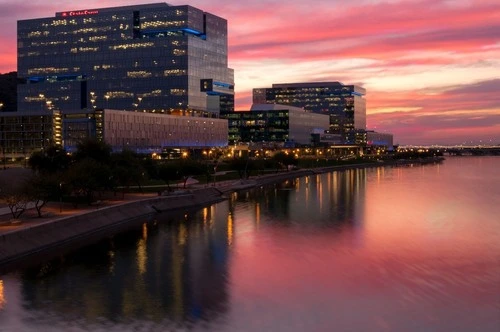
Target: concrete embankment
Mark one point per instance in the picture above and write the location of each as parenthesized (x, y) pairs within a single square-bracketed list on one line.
[(77, 230)]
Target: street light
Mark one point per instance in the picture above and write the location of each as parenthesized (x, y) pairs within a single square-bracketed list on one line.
[(107, 100), (60, 197), (42, 97), (215, 174), (49, 105)]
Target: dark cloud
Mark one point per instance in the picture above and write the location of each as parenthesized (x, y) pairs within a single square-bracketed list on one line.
[(490, 87)]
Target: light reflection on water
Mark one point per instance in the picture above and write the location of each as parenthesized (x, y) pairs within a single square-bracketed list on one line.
[(381, 249)]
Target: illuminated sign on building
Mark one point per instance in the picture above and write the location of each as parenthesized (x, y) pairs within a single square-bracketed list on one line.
[(80, 13)]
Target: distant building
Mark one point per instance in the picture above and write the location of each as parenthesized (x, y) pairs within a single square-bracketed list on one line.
[(8, 92), (20, 135), (326, 139), (274, 123), (155, 57), (344, 104), (379, 140)]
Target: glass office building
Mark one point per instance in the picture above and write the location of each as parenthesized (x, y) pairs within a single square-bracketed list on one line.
[(345, 104), (266, 123), (149, 58)]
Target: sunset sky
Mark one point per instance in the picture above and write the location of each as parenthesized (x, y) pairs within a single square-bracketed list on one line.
[(431, 68)]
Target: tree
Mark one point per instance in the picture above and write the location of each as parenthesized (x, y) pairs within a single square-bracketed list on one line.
[(127, 169), (284, 160), (240, 165), (93, 149), (15, 198), (86, 177), (40, 189), (51, 160), (13, 192), (256, 165), (169, 172), (189, 168)]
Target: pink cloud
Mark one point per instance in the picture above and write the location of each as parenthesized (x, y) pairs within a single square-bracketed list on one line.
[(460, 114), (372, 30)]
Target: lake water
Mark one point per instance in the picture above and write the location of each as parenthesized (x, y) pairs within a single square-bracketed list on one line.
[(378, 249)]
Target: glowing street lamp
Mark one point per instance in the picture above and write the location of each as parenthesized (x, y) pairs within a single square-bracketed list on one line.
[(42, 98), (60, 196), (107, 100), (92, 99), (49, 104)]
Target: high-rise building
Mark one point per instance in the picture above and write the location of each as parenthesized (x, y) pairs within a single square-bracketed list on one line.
[(79, 68), (152, 58), (345, 104)]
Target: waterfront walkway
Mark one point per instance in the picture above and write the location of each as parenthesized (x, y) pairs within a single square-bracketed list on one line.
[(56, 210)]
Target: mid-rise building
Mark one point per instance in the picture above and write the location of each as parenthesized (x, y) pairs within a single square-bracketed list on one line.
[(142, 132), (379, 140), (154, 58), (282, 124), (20, 135), (344, 104)]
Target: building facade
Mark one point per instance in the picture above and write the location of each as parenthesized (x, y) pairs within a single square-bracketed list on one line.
[(142, 132), (380, 140), (274, 123), (20, 135), (153, 58), (344, 104)]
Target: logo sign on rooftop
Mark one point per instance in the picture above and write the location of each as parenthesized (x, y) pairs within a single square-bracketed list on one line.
[(80, 13)]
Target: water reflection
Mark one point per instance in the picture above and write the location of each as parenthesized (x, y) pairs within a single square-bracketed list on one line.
[(170, 270), (2, 296), (333, 199)]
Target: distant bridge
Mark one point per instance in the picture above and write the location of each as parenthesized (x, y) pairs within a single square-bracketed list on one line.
[(457, 150), (462, 150), (472, 151)]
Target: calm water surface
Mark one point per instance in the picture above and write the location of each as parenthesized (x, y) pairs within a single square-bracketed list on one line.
[(380, 249)]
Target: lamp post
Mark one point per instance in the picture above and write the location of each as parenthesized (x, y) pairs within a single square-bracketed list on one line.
[(215, 175), (107, 100), (3, 151), (92, 99), (60, 197), (42, 98)]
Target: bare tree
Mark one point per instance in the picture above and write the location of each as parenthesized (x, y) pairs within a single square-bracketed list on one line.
[(17, 203)]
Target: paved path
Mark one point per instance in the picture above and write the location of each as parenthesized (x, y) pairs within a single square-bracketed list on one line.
[(54, 210), (5, 210)]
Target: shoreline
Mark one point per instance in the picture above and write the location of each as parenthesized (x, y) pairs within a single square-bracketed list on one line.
[(58, 235)]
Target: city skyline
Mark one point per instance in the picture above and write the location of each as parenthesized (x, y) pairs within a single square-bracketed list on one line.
[(431, 68)]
